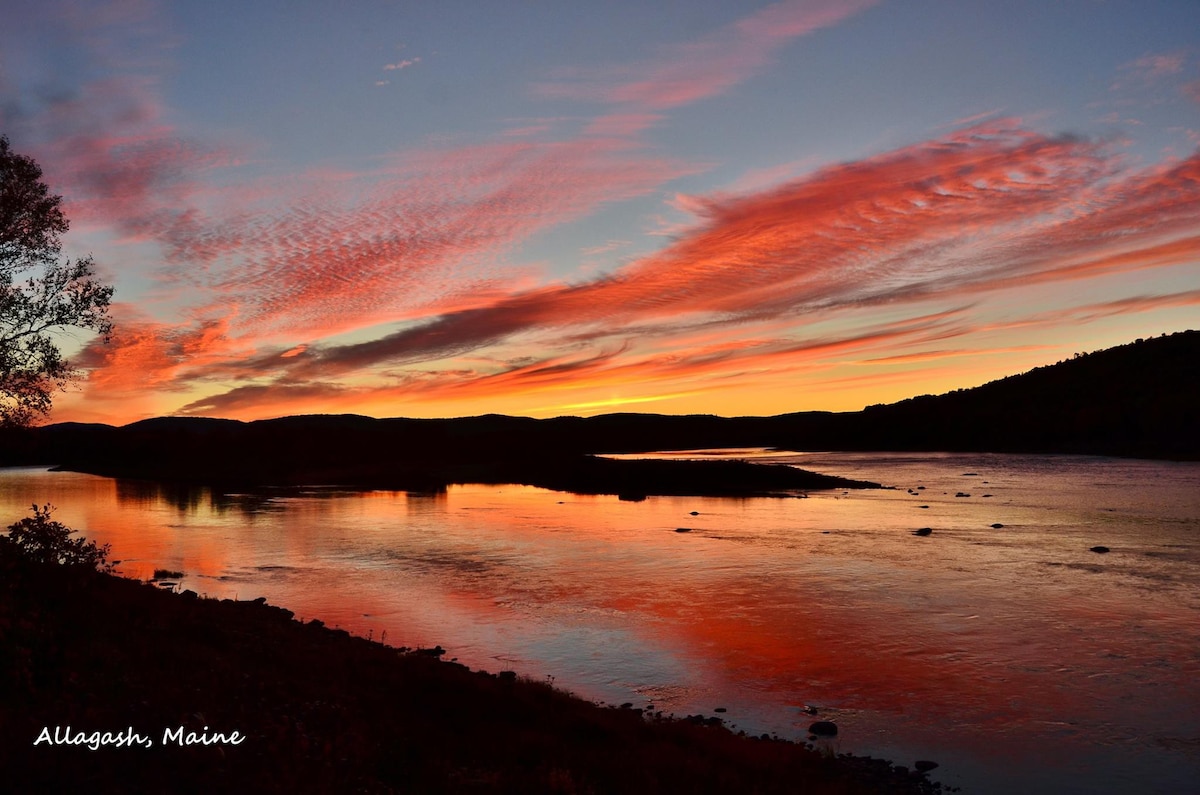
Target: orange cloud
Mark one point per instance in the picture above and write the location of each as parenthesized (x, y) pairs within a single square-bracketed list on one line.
[(701, 367), (987, 208), (956, 214), (145, 355)]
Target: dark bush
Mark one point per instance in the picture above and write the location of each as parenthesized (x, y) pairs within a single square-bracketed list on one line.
[(43, 540)]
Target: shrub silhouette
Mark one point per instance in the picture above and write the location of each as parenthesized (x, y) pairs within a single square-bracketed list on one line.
[(41, 539)]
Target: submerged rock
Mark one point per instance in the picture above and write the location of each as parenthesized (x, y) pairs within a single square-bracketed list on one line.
[(1100, 549), (683, 529), (924, 531), (997, 526)]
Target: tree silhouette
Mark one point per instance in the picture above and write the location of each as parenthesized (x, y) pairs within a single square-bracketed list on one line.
[(41, 294), (43, 540)]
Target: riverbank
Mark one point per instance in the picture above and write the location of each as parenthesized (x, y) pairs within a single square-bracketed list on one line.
[(201, 695)]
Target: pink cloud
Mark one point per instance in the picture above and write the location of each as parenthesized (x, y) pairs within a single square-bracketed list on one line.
[(989, 207), (1149, 70), (622, 124), (106, 148), (686, 73), (1085, 313), (426, 233), (974, 211), (1152, 66), (104, 141)]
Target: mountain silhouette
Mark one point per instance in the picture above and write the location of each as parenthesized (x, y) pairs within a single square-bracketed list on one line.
[(1135, 400)]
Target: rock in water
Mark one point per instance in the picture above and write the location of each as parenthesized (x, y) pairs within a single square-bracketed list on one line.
[(823, 728), (924, 531), (1101, 550)]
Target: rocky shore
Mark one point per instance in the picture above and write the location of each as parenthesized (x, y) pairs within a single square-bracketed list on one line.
[(113, 685)]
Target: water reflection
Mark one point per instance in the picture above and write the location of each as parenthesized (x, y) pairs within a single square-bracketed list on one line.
[(144, 493), (983, 645), (193, 499)]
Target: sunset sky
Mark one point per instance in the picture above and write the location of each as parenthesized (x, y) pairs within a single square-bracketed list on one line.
[(545, 208)]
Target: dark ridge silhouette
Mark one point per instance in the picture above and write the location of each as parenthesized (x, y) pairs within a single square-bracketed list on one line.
[(409, 454), (1136, 400)]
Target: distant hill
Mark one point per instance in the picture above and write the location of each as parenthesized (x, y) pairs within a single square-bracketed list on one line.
[(1135, 400), (1138, 400)]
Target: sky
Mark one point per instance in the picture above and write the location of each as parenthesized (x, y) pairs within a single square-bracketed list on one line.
[(541, 208)]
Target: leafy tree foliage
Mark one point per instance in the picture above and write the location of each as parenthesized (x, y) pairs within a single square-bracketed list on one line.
[(44, 540), (41, 294)]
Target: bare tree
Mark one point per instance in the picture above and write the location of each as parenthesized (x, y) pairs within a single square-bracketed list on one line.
[(41, 293)]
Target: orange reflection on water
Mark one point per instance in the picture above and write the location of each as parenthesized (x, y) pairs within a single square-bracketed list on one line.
[(1014, 637)]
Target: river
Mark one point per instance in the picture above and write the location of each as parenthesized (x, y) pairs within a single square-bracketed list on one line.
[(999, 644)]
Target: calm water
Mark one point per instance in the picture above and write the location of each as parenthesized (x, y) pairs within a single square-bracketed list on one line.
[(1014, 656)]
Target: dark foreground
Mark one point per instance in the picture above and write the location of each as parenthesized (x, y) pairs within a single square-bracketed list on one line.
[(322, 711)]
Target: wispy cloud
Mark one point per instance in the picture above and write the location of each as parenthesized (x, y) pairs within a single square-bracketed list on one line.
[(146, 354), (425, 231), (404, 64), (1151, 67), (686, 73), (106, 144), (703, 368), (1149, 70), (980, 210)]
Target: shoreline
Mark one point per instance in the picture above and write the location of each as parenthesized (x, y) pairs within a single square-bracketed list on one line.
[(318, 707)]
